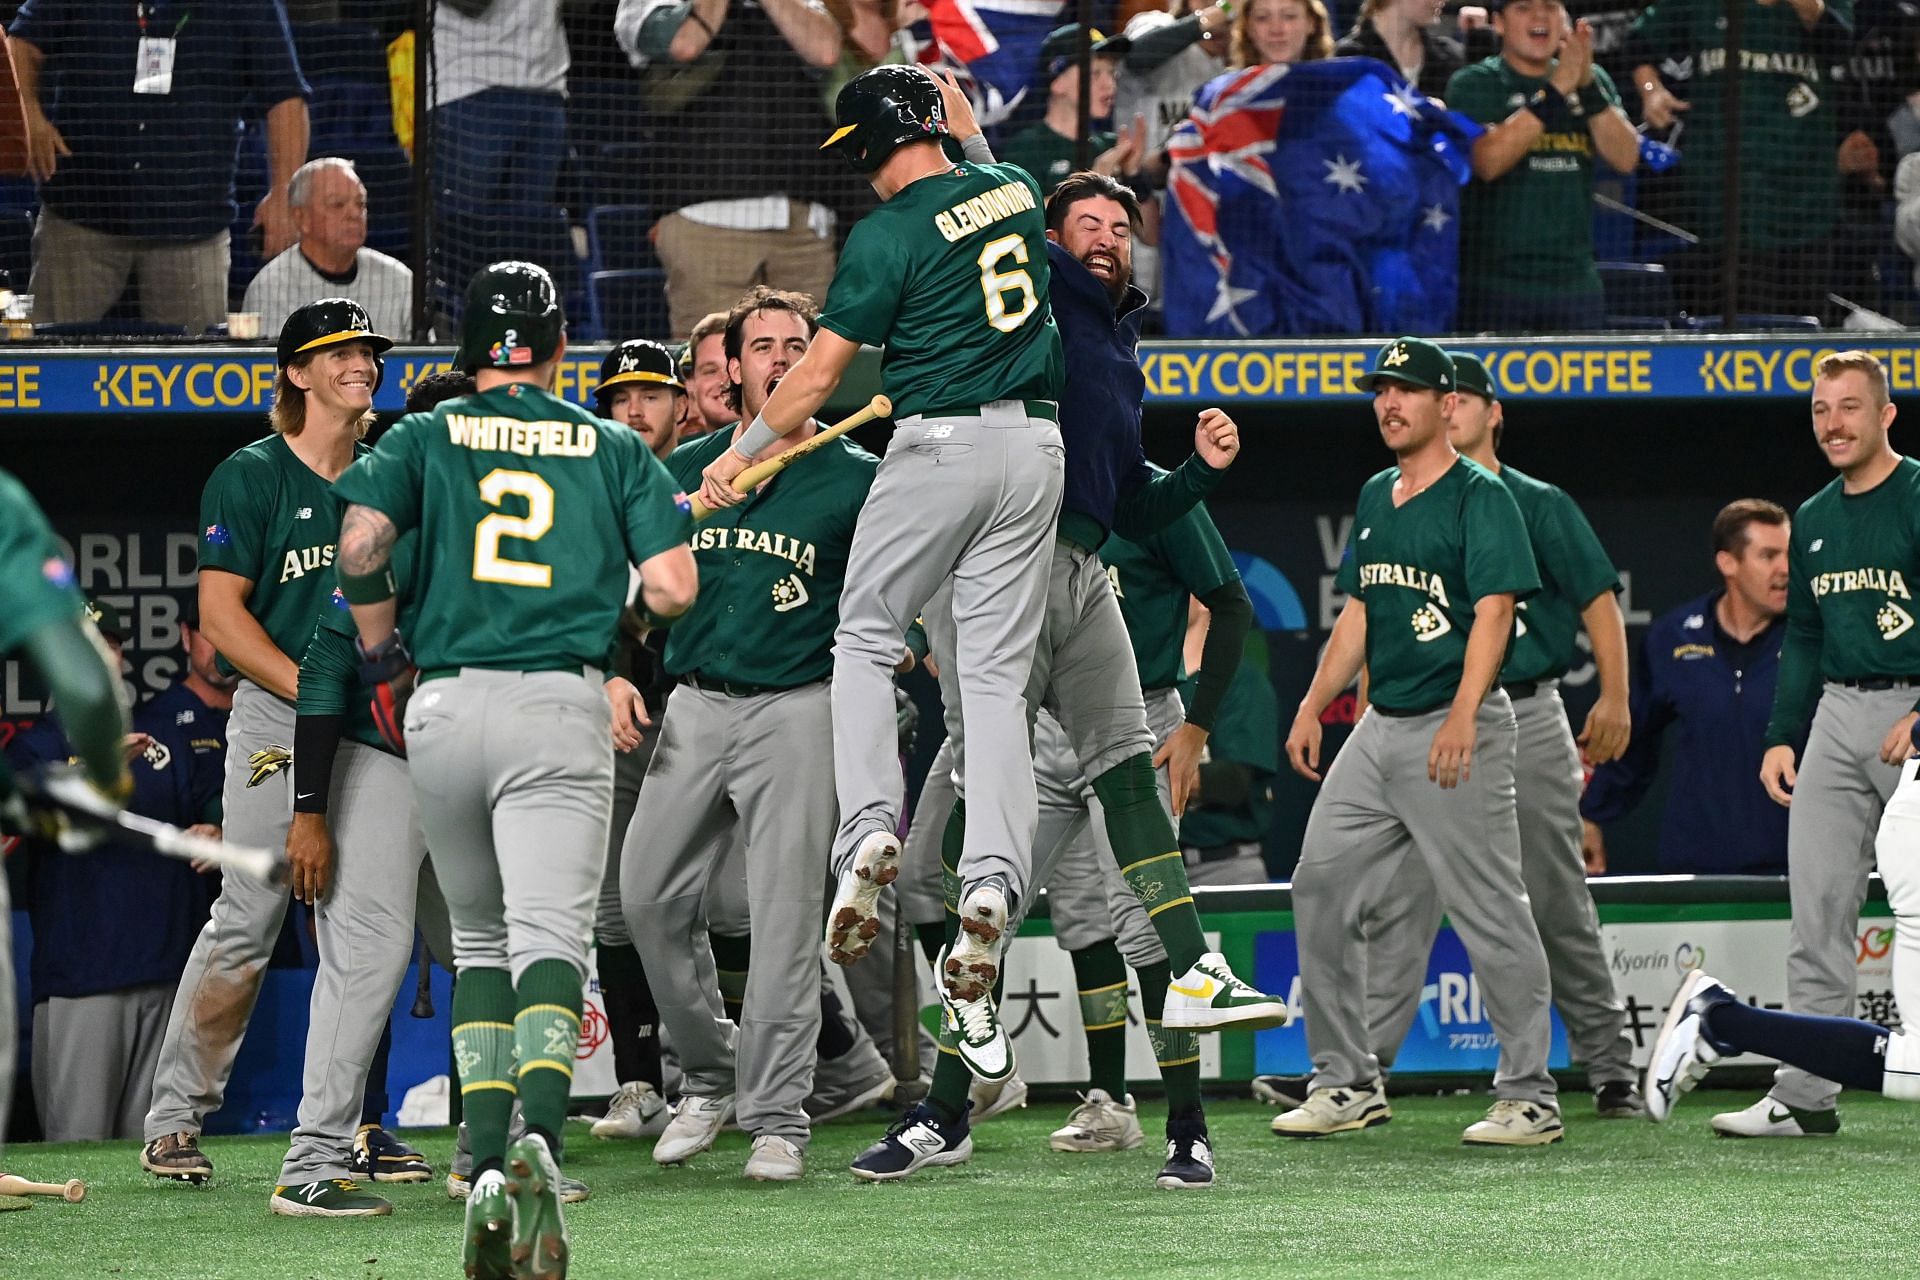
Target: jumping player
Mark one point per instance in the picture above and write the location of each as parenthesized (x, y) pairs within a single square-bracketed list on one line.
[(1578, 588), (529, 511), (1851, 661), (1436, 560), (268, 521)]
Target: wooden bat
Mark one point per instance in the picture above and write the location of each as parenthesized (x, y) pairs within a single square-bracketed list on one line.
[(760, 472), (73, 1191)]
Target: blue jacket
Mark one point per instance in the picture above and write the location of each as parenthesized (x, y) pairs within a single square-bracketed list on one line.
[(1100, 416), (1719, 819), (119, 917)]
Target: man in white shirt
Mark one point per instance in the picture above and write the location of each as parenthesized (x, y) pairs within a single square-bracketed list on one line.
[(331, 258)]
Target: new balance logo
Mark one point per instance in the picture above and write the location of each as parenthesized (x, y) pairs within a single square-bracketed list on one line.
[(926, 1142)]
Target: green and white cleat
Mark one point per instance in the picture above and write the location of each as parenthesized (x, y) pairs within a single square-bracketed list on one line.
[(489, 1233), (540, 1242), (327, 1198), (1208, 997)]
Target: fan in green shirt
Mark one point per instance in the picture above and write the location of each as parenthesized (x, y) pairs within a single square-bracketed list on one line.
[(1046, 149)]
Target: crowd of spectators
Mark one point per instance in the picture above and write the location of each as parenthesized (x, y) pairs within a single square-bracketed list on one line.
[(697, 123)]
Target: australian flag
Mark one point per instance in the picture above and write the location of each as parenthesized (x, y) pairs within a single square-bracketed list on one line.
[(1322, 197), (997, 43)]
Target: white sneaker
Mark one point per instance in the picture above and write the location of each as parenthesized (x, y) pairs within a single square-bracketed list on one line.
[(853, 922), (1099, 1123), (636, 1111), (774, 1159), (1335, 1110), (1681, 1053), (1208, 997), (696, 1123), (1772, 1118), (973, 962), (1513, 1122), (992, 1097)]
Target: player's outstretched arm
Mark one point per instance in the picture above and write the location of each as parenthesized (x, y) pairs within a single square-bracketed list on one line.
[(366, 575), (800, 395), (669, 582), (1339, 667), (86, 695)]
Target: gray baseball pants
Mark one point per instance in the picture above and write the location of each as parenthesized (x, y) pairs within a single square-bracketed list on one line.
[(1375, 811), (218, 988), (1547, 783), (513, 777), (970, 502), (93, 1060), (364, 930), (730, 767), (1841, 790)]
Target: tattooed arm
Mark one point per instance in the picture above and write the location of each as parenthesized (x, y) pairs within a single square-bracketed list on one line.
[(366, 548)]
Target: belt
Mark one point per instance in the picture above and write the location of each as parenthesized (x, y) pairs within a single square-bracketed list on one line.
[(1874, 684), (1035, 409), (1220, 852), (738, 688), (447, 673), (1399, 713), (1518, 689)]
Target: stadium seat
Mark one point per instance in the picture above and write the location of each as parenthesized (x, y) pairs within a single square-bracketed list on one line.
[(617, 238), (1637, 291), (628, 304), (1614, 231)]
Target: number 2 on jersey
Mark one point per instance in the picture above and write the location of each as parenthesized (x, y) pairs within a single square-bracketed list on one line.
[(488, 564), (997, 284)]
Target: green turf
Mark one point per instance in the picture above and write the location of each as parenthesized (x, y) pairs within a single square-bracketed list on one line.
[(1618, 1198)]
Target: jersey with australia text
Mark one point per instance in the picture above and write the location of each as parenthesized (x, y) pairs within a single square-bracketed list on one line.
[(950, 276), (771, 569), (1420, 568), (1853, 565), (1574, 572), (529, 510), (270, 518)]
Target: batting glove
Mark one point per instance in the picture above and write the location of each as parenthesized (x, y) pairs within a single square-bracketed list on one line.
[(388, 672)]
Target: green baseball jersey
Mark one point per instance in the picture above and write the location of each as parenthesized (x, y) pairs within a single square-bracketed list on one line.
[(1529, 231), (330, 668), (36, 581), (1789, 116), (1047, 155), (270, 518), (1850, 606), (950, 276), (771, 569), (1246, 732), (1153, 580), (1419, 569), (529, 510), (1574, 572)]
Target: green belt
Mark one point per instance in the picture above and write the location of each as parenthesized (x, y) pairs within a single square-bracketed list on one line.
[(447, 673), (1035, 409)]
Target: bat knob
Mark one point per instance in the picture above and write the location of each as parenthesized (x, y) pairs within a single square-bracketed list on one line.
[(75, 1191)]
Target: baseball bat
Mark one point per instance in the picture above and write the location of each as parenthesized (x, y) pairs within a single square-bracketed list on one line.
[(760, 472), (73, 1191), (61, 806)]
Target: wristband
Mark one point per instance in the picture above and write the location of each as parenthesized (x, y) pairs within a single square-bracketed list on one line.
[(368, 588), (1592, 101), (693, 15), (1536, 105), (755, 438)]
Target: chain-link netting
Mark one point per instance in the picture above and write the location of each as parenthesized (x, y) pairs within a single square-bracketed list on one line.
[(199, 167)]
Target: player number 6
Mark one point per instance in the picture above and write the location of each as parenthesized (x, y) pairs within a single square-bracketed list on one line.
[(996, 284)]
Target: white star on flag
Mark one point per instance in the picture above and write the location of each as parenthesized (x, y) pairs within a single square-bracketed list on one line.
[(1436, 218), (1345, 174), (1225, 301), (1403, 100)]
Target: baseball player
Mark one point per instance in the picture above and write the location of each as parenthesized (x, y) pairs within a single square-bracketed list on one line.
[(1578, 587), (1852, 648), (641, 386), (1435, 562), (41, 618), (949, 274), (268, 521), (739, 756), (529, 512)]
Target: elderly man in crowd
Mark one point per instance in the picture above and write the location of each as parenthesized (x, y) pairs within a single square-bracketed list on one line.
[(331, 258)]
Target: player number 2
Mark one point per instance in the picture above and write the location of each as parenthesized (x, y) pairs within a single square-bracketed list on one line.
[(488, 564), (997, 284)]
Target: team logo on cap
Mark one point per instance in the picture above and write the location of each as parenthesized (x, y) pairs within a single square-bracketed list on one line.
[(628, 362), (1396, 357), (508, 350)]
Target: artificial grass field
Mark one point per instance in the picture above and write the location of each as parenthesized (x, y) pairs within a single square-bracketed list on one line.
[(1617, 1198)]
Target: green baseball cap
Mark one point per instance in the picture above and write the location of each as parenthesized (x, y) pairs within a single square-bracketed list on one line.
[(1472, 374), (1062, 46), (1413, 361), (109, 621)]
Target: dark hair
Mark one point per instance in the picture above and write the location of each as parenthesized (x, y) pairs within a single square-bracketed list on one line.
[(434, 388), (1730, 526), (1087, 185), (757, 299)]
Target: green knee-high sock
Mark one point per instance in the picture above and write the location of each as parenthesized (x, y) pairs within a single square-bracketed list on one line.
[(1149, 856), (1101, 975), (546, 1032), (483, 1014), (1176, 1052), (947, 1094), (730, 958), (931, 938)]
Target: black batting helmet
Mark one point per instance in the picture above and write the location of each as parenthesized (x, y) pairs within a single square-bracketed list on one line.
[(881, 110), (512, 319), (637, 360), (330, 322)]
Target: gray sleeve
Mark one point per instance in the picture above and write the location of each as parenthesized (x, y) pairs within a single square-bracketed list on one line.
[(977, 150), (1152, 48)]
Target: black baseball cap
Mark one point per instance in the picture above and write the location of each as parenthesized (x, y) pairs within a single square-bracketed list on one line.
[(109, 621), (1413, 361), (1062, 46), (1470, 373)]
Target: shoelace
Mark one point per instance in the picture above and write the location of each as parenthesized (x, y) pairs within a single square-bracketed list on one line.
[(976, 1018), (1228, 980)]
